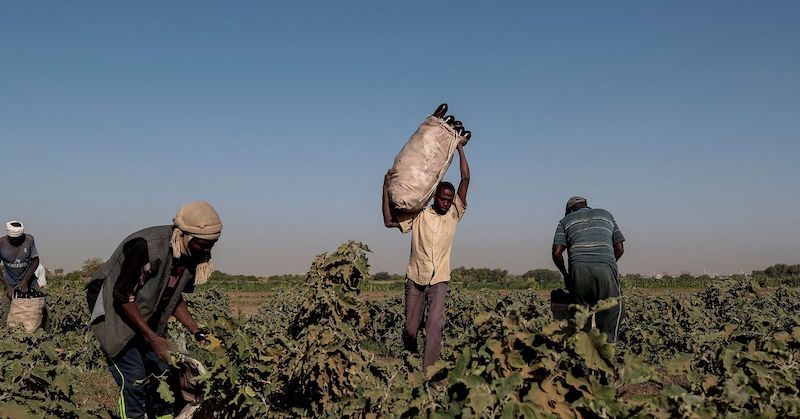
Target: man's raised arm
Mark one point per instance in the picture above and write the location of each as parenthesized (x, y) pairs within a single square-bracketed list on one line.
[(463, 186)]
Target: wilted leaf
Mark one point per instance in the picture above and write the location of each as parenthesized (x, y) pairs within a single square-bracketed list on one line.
[(480, 399), (635, 371), (591, 349), (680, 364)]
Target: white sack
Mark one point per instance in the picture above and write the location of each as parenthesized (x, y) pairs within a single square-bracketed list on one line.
[(27, 312), (422, 164)]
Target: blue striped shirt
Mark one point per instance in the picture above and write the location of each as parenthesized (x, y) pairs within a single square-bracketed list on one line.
[(589, 234)]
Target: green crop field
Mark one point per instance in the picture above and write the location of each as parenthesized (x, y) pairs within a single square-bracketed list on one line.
[(322, 349)]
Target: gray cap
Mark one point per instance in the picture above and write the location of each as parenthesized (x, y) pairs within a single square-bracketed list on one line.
[(575, 200)]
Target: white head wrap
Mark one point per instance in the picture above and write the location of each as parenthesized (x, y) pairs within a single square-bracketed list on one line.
[(200, 220), (14, 231)]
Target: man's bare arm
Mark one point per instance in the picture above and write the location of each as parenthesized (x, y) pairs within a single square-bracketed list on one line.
[(463, 186), (9, 288), (619, 249), (184, 316), (25, 283), (558, 259), (131, 313)]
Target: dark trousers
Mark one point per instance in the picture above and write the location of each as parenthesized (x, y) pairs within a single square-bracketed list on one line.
[(132, 369), (592, 282), (420, 298)]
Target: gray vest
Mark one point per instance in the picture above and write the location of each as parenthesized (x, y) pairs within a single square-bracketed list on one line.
[(108, 326)]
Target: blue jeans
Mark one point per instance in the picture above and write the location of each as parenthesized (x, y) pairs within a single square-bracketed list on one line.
[(132, 369)]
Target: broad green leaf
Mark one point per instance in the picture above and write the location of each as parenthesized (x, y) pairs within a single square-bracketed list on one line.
[(165, 392)]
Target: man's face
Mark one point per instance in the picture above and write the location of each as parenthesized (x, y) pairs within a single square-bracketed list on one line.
[(443, 200), (200, 249), (16, 241)]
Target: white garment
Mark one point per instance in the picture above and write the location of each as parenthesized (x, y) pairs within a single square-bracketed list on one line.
[(41, 273)]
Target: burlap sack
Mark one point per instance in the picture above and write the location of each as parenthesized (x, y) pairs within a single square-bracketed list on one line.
[(422, 164), (191, 370), (27, 312)]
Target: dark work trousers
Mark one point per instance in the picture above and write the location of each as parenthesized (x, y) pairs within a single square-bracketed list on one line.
[(420, 298), (132, 369), (593, 282)]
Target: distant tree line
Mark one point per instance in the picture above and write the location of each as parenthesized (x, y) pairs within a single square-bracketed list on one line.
[(462, 277), (779, 274), (779, 271), (477, 278)]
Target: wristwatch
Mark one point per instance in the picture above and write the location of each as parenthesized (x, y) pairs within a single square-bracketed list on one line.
[(200, 335)]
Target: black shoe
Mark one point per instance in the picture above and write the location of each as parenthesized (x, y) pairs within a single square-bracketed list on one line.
[(440, 111), (458, 124), (449, 120), (467, 135)]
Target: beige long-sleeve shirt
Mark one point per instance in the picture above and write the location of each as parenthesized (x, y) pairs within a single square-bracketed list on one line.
[(431, 242)]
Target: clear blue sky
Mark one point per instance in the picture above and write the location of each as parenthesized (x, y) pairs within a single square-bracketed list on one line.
[(681, 118)]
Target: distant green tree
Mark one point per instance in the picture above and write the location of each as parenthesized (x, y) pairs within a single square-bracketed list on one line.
[(382, 276), (782, 270), (74, 276), (287, 278), (547, 278), (90, 267), (479, 275)]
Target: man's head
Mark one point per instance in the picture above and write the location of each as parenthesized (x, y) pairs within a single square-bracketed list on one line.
[(575, 203), (197, 229), (16, 232), (443, 198), (200, 249)]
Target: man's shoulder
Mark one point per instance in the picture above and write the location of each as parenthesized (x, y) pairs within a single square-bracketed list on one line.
[(599, 212), (5, 244), (569, 217), (151, 232)]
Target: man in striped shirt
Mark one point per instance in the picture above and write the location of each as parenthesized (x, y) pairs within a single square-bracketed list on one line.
[(594, 244)]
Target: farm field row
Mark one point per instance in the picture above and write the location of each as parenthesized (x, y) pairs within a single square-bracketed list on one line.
[(328, 350)]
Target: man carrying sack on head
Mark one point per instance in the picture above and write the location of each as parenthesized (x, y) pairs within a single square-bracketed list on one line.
[(135, 293), (20, 259), (432, 229)]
